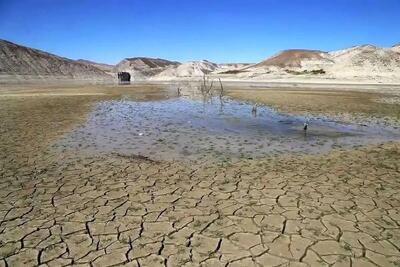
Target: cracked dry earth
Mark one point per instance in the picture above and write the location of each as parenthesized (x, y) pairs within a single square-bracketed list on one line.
[(341, 209), (336, 209)]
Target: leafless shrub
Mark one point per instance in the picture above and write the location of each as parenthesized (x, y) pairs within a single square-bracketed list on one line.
[(206, 88)]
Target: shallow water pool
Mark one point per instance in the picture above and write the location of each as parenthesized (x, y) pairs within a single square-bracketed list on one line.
[(187, 129)]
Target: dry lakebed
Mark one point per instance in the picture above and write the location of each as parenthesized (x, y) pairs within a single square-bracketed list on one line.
[(139, 175)]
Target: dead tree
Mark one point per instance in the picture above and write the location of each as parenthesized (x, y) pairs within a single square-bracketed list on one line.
[(207, 89), (254, 110), (206, 86), (221, 92)]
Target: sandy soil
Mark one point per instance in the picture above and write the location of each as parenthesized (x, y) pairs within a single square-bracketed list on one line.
[(336, 209)]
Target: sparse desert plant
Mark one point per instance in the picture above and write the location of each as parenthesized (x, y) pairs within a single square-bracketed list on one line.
[(233, 71), (314, 72), (320, 71)]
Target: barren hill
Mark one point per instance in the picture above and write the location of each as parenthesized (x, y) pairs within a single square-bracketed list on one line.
[(233, 65), (188, 69), (143, 67), (365, 61), (396, 48), (20, 62), (101, 66), (291, 58)]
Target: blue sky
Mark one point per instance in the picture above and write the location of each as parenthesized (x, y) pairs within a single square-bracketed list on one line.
[(218, 30)]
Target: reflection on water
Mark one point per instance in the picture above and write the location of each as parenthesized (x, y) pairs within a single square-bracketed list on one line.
[(182, 128)]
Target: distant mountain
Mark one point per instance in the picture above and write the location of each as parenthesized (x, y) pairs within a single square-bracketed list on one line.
[(101, 66), (396, 48), (367, 62), (144, 67), (231, 68), (292, 58), (20, 62), (358, 63), (233, 65), (188, 69)]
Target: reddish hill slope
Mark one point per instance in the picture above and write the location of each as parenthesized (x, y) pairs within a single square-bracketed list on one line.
[(291, 58)]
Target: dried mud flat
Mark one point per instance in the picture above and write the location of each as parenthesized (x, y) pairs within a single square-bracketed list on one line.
[(336, 209)]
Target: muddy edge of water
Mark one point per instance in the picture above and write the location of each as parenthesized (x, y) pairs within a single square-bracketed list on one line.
[(183, 128)]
